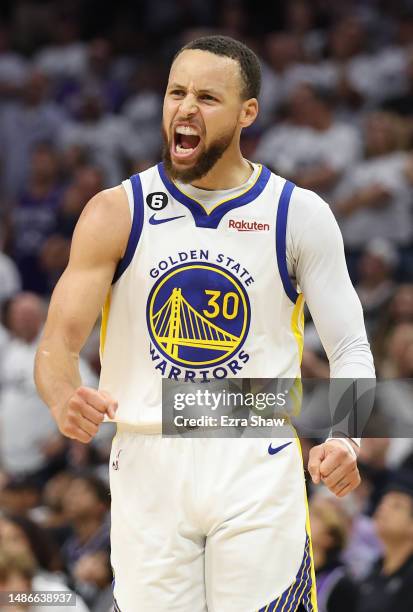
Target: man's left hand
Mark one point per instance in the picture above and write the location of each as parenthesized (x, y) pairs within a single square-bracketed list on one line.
[(335, 465)]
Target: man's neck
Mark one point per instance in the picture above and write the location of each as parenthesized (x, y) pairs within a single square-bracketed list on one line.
[(395, 556), (228, 172)]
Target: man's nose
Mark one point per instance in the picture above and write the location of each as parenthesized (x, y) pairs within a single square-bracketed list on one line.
[(188, 106)]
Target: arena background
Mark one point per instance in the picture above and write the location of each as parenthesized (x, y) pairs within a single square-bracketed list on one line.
[(81, 86)]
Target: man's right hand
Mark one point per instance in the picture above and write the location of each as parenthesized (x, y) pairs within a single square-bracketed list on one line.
[(82, 414)]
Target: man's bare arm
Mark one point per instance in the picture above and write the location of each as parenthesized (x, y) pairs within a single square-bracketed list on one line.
[(99, 242)]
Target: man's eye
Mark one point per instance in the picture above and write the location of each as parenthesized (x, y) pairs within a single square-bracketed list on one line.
[(177, 92), (207, 97)]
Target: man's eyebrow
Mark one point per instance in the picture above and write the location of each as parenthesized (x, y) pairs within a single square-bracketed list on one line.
[(209, 90)]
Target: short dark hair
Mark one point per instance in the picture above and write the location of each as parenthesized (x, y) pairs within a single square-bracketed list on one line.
[(229, 47)]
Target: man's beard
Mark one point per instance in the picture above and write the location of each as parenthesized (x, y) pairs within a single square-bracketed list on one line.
[(205, 162)]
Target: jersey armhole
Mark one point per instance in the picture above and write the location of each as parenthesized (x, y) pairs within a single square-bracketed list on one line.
[(137, 224), (281, 240)]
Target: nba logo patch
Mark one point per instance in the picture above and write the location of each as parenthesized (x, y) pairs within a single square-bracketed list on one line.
[(115, 462)]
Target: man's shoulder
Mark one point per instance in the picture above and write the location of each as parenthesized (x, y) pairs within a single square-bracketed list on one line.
[(104, 225), (108, 202), (305, 200), (146, 172)]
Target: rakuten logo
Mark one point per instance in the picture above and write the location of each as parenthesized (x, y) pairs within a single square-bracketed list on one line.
[(248, 226)]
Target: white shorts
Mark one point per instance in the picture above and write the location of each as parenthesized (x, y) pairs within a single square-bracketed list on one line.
[(209, 524)]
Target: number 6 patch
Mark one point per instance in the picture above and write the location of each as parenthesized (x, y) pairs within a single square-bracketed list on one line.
[(157, 200)]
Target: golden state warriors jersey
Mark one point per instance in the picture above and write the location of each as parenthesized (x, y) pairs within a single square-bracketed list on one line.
[(199, 294)]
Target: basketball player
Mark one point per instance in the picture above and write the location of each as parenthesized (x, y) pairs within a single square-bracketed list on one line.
[(202, 264)]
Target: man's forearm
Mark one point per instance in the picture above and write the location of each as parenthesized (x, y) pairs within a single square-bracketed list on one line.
[(56, 373)]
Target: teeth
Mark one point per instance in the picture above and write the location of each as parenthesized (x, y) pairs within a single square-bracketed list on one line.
[(180, 149), (187, 130)]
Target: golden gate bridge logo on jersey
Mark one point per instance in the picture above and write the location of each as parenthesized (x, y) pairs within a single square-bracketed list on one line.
[(198, 315)]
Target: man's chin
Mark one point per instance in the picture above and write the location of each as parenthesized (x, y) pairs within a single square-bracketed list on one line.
[(194, 167), (184, 170)]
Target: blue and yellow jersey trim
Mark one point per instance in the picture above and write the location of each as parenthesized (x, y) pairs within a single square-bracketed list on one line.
[(281, 239), (104, 323), (211, 218), (297, 324), (209, 210), (301, 592), (136, 229)]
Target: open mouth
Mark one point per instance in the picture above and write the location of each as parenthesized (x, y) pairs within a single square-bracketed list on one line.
[(185, 142)]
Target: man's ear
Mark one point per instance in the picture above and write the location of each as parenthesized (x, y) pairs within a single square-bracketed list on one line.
[(249, 112)]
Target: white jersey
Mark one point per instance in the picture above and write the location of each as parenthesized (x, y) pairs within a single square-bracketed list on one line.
[(200, 293)]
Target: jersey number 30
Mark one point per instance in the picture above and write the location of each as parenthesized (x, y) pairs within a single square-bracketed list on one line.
[(229, 304)]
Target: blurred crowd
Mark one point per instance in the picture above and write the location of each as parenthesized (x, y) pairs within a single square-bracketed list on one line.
[(81, 90)]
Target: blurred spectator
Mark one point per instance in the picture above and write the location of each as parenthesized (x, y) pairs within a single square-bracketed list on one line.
[(389, 586), (312, 148), (363, 546), (394, 394), (395, 363), (19, 495), (86, 552), (374, 198), (106, 138), (85, 504), (13, 67), (336, 592), (87, 182), (282, 51), (373, 461), (34, 215), (38, 441), (233, 19), (16, 574), (93, 578), (23, 125), (66, 58), (22, 539), (403, 103), (301, 17), (10, 282), (375, 285), (144, 111), (100, 73), (51, 513), (22, 536), (38, 447), (399, 310), (313, 365), (364, 75), (401, 306), (54, 256)]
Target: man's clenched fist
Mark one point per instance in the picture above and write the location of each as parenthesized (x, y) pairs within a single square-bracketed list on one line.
[(335, 465), (82, 414)]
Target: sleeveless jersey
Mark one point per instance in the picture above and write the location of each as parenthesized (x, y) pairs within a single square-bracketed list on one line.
[(200, 293)]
